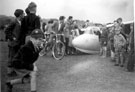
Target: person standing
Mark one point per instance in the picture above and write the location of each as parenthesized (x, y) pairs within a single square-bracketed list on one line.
[(111, 41), (68, 34), (30, 22), (24, 61), (13, 32), (119, 44), (103, 42)]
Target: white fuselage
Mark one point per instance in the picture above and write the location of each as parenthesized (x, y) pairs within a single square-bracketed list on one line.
[(87, 42)]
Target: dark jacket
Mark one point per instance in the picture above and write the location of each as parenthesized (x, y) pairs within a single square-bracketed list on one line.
[(104, 35), (13, 33), (57, 29), (25, 57), (29, 23), (61, 29)]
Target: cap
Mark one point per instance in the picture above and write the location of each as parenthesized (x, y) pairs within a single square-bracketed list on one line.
[(18, 12), (37, 33)]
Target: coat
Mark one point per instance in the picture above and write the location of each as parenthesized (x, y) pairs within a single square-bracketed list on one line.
[(13, 32), (58, 29), (29, 23), (25, 57), (68, 28)]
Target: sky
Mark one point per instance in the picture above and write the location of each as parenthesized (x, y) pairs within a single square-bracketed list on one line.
[(99, 11)]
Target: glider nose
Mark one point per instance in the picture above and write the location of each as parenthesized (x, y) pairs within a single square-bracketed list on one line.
[(86, 42)]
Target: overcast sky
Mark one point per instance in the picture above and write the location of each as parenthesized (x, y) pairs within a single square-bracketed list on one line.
[(95, 10)]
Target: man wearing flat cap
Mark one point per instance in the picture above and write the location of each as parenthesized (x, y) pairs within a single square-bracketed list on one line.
[(24, 60), (13, 34)]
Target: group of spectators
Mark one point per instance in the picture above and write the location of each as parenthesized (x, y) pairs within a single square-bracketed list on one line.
[(117, 42), (68, 28), (24, 35)]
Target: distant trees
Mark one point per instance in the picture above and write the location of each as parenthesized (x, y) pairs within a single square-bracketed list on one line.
[(5, 20)]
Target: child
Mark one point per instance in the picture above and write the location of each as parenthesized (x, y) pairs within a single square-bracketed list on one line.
[(75, 33), (13, 32), (119, 44), (103, 42), (111, 40), (24, 61)]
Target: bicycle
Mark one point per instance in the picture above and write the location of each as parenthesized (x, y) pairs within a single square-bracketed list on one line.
[(57, 47)]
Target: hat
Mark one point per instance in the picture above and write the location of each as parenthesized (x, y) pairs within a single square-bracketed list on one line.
[(31, 6), (18, 12), (37, 33)]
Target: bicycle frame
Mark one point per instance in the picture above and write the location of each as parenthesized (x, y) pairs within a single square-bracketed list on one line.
[(57, 39)]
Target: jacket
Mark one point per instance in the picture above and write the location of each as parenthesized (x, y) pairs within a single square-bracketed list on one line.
[(29, 23), (13, 32), (25, 57)]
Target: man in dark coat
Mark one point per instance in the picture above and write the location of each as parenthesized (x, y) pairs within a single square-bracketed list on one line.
[(13, 34), (30, 22), (24, 61)]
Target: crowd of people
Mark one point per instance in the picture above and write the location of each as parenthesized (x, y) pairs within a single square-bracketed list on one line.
[(118, 43), (24, 35)]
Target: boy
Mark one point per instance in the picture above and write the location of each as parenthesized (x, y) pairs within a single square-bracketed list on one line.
[(13, 34), (30, 22), (24, 60), (119, 44), (103, 41)]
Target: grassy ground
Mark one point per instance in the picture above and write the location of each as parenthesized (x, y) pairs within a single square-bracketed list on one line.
[(77, 73)]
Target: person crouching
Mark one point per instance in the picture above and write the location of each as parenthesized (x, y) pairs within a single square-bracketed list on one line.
[(24, 61)]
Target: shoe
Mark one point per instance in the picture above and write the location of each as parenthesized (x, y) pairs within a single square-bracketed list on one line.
[(121, 65), (9, 86), (12, 74), (33, 91), (116, 65), (130, 70)]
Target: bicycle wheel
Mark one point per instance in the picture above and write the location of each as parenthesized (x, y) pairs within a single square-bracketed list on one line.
[(58, 50)]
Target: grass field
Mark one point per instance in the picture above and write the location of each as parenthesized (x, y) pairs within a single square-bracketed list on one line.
[(76, 73)]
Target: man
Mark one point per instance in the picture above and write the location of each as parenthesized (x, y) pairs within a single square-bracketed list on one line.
[(24, 60), (30, 22), (13, 34), (68, 27)]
